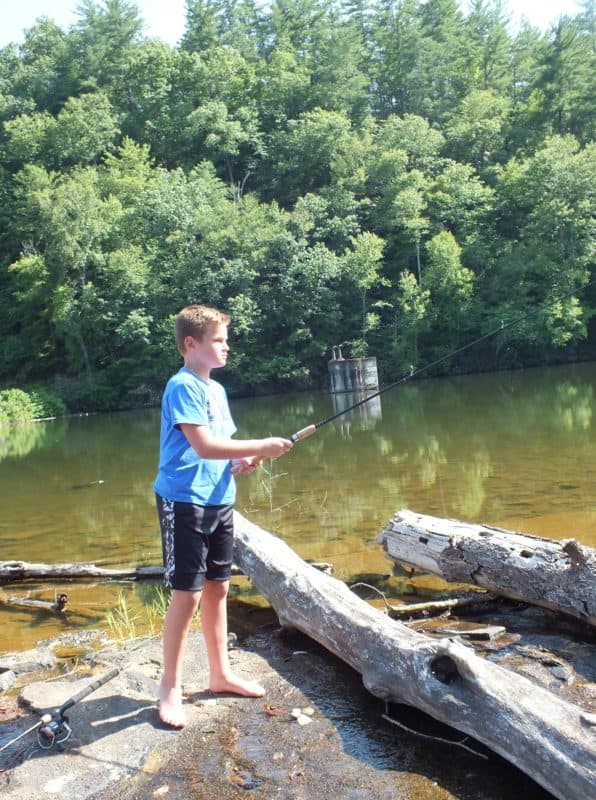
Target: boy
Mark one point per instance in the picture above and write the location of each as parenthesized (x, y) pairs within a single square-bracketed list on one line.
[(195, 492)]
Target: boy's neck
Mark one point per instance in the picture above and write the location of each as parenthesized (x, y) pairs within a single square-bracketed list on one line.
[(200, 372)]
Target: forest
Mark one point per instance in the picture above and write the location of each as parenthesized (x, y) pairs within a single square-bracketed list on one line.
[(396, 175)]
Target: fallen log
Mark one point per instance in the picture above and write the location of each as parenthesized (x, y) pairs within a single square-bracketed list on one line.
[(57, 607), (550, 739), (11, 571), (560, 575), (475, 599)]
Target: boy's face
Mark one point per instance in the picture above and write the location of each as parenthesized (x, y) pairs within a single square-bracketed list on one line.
[(210, 351)]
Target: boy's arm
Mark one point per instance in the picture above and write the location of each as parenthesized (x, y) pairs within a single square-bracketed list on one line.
[(206, 445)]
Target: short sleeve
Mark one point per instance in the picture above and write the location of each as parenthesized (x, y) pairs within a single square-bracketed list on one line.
[(189, 404)]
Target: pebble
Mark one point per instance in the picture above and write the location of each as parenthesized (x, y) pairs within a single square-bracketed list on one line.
[(302, 716)]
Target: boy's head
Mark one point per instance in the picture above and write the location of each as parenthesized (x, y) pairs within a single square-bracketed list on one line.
[(195, 321)]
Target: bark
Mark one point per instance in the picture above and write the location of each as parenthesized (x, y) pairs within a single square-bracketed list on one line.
[(560, 575), (14, 571), (550, 739), (58, 606), (433, 607), (11, 571)]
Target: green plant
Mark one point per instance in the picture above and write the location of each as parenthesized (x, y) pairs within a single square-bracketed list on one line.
[(46, 402), (126, 625), (123, 624), (16, 406), (156, 610)]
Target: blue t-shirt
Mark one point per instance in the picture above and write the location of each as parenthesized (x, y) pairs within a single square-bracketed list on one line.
[(183, 475)]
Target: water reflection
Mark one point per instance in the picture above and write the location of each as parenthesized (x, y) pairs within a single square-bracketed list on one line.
[(19, 440), (366, 415), (513, 449)]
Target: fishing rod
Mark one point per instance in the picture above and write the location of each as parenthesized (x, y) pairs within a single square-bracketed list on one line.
[(304, 433), (54, 728)]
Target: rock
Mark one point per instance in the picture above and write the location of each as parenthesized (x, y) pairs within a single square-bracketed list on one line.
[(302, 716), (42, 696), (7, 679), (29, 661)]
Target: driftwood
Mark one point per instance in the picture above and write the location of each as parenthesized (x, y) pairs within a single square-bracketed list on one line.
[(11, 571), (431, 607), (560, 575), (550, 739), (14, 571), (57, 607)]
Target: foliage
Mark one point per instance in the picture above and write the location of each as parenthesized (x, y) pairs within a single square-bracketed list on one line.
[(17, 405), (399, 176), (126, 624)]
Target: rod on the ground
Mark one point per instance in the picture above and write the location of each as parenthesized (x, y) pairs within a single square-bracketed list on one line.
[(51, 725), (87, 690)]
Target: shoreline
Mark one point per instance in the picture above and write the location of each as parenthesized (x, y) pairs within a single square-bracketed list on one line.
[(120, 751)]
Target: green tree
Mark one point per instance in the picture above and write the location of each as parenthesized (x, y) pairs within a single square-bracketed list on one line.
[(38, 73), (362, 264), (445, 77), (547, 216), (412, 319), (565, 85), (396, 47), (488, 45), (102, 40), (476, 130), (451, 287), (84, 130), (303, 157)]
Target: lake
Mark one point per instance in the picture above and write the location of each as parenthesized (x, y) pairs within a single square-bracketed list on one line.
[(512, 449)]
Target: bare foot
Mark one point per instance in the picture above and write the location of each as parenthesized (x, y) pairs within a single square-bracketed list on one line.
[(170, 708), (236, 685)]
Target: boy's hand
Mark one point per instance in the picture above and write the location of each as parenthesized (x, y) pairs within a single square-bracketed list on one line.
[(274, 446), (240, 466)]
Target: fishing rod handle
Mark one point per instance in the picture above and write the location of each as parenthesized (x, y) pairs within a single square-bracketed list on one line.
[(304, 433), (88, 689)]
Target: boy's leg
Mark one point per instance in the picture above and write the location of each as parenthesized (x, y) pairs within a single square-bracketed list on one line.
[(184, 552), (181, 610), (214, 617)]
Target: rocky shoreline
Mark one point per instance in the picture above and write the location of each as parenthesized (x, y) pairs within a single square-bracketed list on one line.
[(120, 751)]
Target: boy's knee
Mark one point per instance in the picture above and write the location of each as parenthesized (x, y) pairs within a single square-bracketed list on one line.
[(216, 588), (190, 599)]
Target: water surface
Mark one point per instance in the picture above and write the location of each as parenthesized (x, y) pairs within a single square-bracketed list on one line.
[(509, 449)]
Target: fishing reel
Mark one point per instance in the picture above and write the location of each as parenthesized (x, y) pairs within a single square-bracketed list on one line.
[(53, 730)]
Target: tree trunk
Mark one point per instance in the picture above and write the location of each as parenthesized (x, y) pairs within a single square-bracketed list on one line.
[(58, 606), (11, 571), (15, 571), (550, 739), (560, 575)]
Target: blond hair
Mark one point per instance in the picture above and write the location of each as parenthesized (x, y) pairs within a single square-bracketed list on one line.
[(195, 321)]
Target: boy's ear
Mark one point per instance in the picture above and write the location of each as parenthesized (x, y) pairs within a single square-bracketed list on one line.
[(189, 343)]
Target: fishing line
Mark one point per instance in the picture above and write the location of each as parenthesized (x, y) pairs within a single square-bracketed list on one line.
[(304, 433)]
